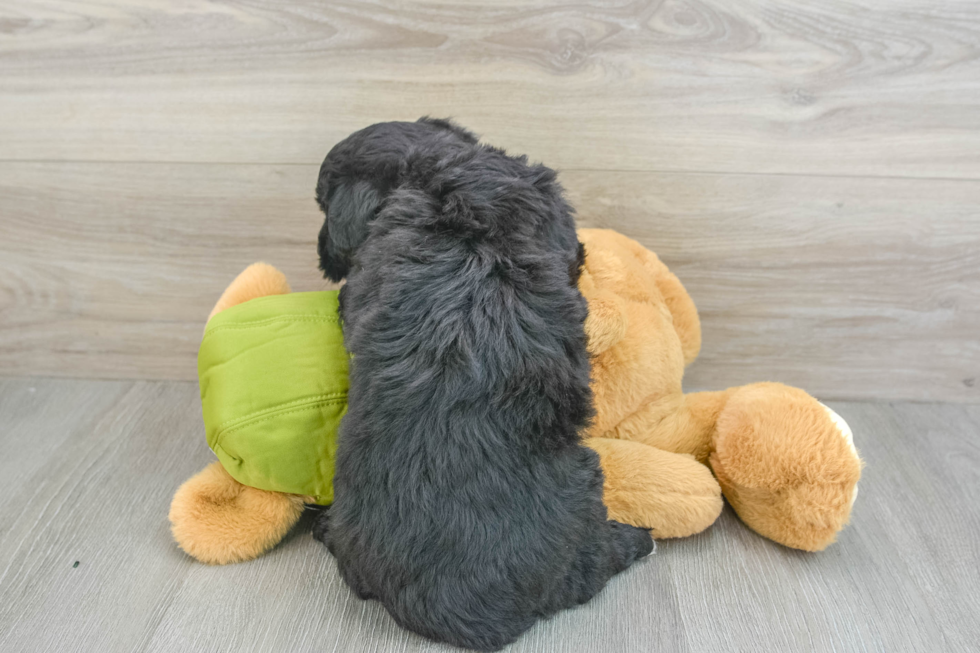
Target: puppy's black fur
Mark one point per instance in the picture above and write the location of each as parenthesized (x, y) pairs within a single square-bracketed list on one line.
[(464, 500)]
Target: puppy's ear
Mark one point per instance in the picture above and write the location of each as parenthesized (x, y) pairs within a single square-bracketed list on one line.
[(349, 205)]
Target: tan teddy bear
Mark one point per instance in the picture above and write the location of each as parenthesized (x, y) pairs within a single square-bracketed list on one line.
[(785, 462)]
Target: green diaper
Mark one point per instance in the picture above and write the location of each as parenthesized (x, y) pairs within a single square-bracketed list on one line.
[(273, 375)]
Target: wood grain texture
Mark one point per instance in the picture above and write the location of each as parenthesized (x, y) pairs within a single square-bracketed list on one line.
[(867, 87), (840, 286), (111, 270), (809, 169), (837, 285), (89, 468)]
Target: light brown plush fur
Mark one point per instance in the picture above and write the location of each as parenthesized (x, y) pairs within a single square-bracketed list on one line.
[(213, 517), (773, 451), (217, 520), (777, 454)]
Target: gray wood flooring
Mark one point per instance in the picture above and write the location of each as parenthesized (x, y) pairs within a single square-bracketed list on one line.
[(88, 468)]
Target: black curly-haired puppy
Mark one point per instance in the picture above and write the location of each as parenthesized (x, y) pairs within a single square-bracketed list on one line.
[(464, 499)]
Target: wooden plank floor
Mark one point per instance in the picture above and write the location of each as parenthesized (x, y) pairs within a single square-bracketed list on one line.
[(811, 170), (88, 469)]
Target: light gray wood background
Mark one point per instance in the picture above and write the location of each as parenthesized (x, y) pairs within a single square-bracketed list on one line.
[(89, 468), (810, 169)]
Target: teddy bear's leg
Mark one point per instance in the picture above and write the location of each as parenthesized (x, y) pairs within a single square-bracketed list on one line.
[(786, 464), (217, 520), (677, 423), (213, 517), (679, 303), (671, 494)]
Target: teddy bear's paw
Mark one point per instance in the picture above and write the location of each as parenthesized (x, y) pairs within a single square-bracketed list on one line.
[(217, 520), (786, 465), (671, 494)]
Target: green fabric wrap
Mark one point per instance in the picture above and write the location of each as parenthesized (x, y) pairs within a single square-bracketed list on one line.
[(273, 374)]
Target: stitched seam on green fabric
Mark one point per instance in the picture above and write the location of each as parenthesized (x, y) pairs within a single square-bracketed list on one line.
[(233, 423), (219, 436), (218, 446), (271, 320), (317, 498)]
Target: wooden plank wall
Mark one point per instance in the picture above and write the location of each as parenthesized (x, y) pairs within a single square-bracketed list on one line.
[(810, 170)]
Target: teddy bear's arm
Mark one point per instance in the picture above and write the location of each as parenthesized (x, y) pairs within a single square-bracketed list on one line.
[(606, 323), (686, 321), (679, 303), (614, 258)]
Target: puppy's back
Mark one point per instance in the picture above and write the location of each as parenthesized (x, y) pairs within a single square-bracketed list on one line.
[(464, 501)]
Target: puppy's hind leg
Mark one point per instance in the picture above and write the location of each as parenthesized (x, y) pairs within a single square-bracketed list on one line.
[(615, 547), (321, 532), (321, 527), (629, 543)]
